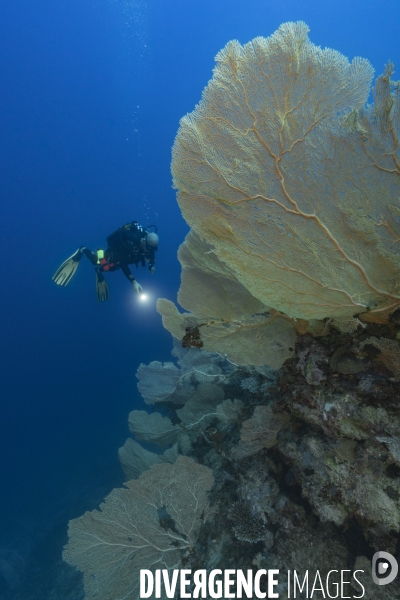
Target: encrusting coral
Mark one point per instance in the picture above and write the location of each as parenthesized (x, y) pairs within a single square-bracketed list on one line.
[(246, 526), (389, 353)]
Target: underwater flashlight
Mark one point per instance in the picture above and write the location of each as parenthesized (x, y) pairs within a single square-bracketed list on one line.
[(143, 297)]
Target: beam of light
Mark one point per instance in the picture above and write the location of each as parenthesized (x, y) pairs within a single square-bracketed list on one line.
[(143, 297)]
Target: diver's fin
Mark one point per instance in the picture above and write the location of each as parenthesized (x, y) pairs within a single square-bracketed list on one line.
[(64, 274), (101, 288)]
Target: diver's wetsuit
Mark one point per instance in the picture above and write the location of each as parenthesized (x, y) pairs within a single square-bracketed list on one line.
[(126, 246)]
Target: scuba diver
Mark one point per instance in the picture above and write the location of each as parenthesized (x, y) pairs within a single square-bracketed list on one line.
[(130, 244)]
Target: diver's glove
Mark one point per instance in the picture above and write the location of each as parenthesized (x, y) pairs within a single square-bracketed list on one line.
[(152, 270), (137, 287)]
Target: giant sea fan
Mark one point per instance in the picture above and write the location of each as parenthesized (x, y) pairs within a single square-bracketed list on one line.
[(112, 544), (292, 180)]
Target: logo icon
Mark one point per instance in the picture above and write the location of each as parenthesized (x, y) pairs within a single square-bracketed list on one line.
[(384, 568)]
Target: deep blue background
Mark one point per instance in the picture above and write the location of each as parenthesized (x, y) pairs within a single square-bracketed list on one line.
[(91, 95)]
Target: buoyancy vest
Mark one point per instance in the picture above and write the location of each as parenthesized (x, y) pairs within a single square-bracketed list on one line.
[(128, 237), (128, 245)]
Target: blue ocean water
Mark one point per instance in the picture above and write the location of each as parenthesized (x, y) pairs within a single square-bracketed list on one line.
[(91, 97)]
